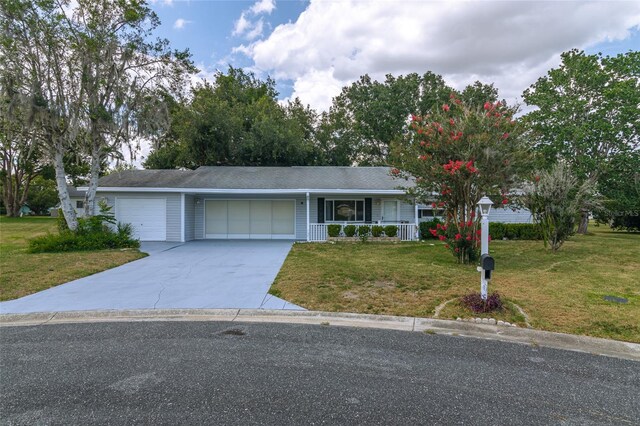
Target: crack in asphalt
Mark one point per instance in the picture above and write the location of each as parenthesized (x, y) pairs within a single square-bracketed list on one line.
[(264, 300), (237, 313), (159, 294), (49, 319)]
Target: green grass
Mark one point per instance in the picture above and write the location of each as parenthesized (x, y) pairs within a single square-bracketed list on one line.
[(23, 273), (559, 291)]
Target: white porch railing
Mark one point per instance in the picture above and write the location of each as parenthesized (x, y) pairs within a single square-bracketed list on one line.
[(406, 231)]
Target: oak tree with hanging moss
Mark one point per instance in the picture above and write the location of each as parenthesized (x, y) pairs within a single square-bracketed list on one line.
[(457, 154)]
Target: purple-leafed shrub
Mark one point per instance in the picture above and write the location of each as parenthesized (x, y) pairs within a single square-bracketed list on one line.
[(474, 302)]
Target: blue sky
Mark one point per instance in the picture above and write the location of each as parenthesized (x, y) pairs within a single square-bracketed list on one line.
[(313, 48), (208, 30)]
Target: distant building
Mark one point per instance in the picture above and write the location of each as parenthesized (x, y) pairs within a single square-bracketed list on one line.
[(77, 200)]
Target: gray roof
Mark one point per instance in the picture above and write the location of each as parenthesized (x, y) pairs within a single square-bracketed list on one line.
[(218, 177), (75, 193)]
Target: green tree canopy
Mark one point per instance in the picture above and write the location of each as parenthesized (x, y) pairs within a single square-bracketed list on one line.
[(237, 121), (587, 114), (369, 115)]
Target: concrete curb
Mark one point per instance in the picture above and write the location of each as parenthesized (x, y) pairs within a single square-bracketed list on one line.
[(593, 345)]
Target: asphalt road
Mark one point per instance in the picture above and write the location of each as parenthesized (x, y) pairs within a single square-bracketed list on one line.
[(224, 373)]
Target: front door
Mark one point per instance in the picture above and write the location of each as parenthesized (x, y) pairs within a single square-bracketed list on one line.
[(390, 211)]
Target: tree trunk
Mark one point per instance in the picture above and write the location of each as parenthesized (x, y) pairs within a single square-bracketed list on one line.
[(584, 222), (61, 182), (8, 194), (90, 196)]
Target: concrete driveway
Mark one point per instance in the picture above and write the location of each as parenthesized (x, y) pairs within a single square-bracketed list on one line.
[(197, 274)]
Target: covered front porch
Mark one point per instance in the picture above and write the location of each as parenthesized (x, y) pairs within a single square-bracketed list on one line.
[(358, 209)]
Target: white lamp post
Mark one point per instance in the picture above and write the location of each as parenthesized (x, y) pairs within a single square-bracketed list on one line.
[(485, 207)]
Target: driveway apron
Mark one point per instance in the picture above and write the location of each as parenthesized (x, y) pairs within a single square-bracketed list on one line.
[(197, 274)]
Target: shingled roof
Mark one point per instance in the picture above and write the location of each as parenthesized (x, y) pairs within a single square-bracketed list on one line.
[(260, 178)]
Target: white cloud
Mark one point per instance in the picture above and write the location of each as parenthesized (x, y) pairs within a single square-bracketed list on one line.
[(252, 29), (508, 43), (263, 6), (164, 2), (180, 23), (241, 25), (205, 72), (256, 31)]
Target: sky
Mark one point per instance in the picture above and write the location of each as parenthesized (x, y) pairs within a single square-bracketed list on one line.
[(314, 48)]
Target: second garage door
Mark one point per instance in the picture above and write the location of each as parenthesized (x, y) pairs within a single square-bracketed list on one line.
[(258, 219), (147, 216)]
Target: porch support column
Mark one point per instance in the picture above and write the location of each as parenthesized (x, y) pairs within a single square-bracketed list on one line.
[(308, 217), (417, 233)]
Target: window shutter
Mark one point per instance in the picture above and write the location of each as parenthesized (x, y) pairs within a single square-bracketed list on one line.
[(367, 210), (320, 210)]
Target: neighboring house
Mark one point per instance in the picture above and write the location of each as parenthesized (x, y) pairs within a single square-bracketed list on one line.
[(77, 200), (498, 214), (295, 203)]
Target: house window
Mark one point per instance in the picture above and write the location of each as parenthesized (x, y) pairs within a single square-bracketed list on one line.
[(430, 213), (79, 204), (344, 210)]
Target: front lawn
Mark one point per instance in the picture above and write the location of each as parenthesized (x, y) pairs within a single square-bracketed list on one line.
[(24, 273), (560, 292)]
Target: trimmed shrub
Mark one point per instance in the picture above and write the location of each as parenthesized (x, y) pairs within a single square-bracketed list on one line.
[(425, 227), (377, 230), (627, 222), (474, 302), (71, 241), (349, 230), (363, 232), (334, 230), (93, 233), (391, 231), (514, 231)]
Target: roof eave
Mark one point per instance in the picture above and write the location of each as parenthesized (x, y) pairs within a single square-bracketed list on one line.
[(251, 191)]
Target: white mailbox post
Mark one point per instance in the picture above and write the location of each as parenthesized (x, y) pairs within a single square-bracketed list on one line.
[(486, 261)]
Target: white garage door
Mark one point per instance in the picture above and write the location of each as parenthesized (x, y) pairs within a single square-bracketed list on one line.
[(258, 219), (148, 216)]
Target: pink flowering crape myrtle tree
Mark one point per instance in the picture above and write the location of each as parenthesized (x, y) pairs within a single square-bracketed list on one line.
[(457, 154)]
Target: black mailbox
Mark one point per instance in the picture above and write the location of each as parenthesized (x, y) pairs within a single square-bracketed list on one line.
[(488, 264)]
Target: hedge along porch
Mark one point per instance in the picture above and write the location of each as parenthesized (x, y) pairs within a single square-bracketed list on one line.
[(294, 203)]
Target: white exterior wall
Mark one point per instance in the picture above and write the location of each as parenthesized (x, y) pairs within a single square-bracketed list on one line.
[(79, 212), (173, 213), (189, 217), (506, 215)]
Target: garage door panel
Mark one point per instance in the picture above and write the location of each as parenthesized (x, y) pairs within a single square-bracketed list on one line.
[(260, 218), (216, 218), (239, 214), (283, 217), (147, 216)]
